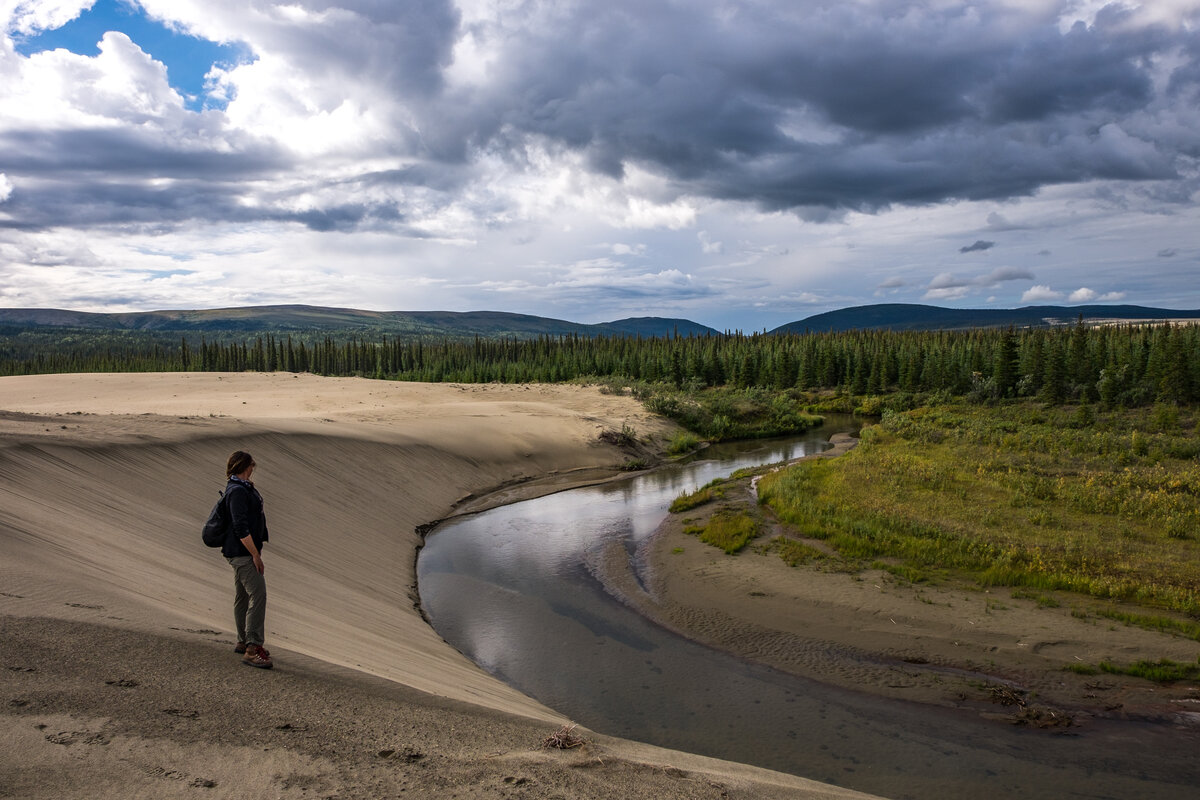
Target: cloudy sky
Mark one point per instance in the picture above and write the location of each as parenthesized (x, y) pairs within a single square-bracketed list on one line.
[(742, 163)]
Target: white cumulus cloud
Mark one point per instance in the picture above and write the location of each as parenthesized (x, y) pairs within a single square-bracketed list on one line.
[(947, 293), (1040, 294), (1086, 295), (948, 286), (28, 16)]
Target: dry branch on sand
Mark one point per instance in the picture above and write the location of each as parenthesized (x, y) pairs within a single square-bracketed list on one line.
[(562, 739), (626, 437)]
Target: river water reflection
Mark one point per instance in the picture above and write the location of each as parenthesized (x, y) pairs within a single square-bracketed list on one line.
[(512, 589)]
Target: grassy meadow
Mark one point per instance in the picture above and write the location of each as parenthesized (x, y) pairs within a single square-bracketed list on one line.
[(1101, 503)]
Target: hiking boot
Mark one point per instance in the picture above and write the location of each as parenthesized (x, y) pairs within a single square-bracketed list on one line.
[(240, 647), (257, 656)]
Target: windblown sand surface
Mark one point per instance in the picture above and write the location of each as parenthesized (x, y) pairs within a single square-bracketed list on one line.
[(117, 675)]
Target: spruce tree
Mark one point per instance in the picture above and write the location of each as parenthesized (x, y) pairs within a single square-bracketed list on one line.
[(1005, 371)]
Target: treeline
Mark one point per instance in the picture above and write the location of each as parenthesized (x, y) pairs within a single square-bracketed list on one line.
[(1128, 365), (46, 350)]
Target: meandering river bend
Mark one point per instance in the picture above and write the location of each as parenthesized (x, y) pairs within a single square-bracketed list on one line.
[(512, 589)]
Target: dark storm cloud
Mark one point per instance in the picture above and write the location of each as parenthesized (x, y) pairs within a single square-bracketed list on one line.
[(978, 246), (912, 107), (403, 46), (146, 207), (91, 203), (1086, 70), (136, 178), (813, 107), (135, 153)]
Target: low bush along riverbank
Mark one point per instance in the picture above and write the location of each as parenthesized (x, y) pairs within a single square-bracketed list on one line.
[(1056, 503)]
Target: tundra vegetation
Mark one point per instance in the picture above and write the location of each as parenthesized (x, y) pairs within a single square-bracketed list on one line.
[(1017, 495), (1094, 509)]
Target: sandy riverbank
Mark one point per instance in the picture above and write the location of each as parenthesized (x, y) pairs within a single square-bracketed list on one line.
[(118, 679), (978, 651)]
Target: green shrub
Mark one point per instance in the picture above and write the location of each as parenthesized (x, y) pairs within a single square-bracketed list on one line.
[(1082, 669), (1179, 627), (1161, 671), (683, 442), (705, 494), (1165, 417), (729, 530), (795, 553)]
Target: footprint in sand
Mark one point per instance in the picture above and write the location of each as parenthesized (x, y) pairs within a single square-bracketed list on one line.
[(179, 712), (178, 775), (67, 738), (408, 755)]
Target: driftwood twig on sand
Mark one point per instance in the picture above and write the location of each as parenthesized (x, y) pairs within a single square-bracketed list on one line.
[(562, 739)]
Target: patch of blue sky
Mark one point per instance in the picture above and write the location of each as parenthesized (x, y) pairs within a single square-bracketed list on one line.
[(173, 255), (187, 58), (165, 274)]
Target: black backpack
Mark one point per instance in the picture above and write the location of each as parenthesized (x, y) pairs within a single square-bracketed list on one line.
[(216, 527)]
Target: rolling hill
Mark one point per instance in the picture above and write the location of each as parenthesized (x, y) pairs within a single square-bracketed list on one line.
[(341, 322), (916, 317), (344, 321)]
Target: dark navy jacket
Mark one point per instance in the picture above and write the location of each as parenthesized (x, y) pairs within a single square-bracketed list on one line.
[(246, 510)]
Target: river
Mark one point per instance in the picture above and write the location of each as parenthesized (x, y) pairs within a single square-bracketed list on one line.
[(514, 590)]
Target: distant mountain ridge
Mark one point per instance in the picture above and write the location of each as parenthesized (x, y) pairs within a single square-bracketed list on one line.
[(317, 319), (284, 319), (917, 317)]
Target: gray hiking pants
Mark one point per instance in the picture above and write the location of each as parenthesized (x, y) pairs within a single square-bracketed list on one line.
[(249, 601)]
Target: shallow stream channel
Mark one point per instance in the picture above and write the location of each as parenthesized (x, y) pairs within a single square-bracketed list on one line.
[(516, 590)]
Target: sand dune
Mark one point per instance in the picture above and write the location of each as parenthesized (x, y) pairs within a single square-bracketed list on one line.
[(104, 480)]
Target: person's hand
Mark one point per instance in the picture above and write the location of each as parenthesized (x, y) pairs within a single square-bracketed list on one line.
[(258, 564)]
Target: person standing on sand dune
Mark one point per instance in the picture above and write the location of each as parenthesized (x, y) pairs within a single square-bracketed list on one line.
[(243, 550)]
